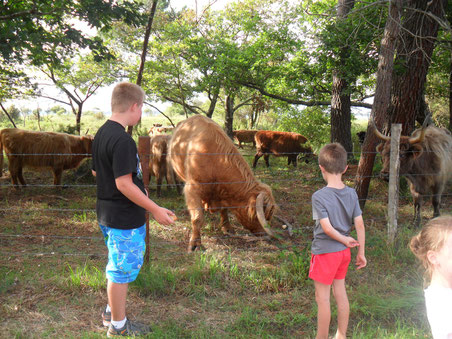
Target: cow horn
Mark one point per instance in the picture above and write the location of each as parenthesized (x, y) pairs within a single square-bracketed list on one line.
[(378, 133), (261, 215), (420, 137), (417, 139)]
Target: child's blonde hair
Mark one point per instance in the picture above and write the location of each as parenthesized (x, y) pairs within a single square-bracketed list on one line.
[(431, 238), (333, 158), (124, 95)]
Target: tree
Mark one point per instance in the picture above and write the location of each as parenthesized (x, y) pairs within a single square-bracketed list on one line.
[(421, 21), (29, 27), (340, 94), (79, 79), (381, 100)]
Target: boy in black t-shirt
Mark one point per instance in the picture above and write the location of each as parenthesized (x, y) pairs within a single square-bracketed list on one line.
[(121, 205)]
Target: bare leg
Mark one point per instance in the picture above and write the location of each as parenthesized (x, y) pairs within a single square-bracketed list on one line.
[(343, 308), (322, 297), (117, 295)]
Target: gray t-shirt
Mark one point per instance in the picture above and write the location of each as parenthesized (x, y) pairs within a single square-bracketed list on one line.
[(340, 206)]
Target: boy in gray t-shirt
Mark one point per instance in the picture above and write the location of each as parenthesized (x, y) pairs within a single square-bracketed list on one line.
[(334, 208)]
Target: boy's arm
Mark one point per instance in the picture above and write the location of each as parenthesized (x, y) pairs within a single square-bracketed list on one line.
[(127, 187), (333, 233), (361, 260)]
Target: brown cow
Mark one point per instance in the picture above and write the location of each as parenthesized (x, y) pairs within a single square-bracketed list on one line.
[(158, 129), (57, 151), (425, 160), (279, 144), (244, 135), (159, 164), (218, 178)]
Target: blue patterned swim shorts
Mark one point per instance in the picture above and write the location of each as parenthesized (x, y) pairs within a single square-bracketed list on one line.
[(125, 253)]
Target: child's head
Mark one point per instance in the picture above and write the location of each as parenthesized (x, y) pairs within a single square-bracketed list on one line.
[(333, 158), (124, 95), (428, 246)]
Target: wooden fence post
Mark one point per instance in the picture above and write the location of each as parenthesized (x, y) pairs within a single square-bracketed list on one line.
[(393, 192), (144, 152)]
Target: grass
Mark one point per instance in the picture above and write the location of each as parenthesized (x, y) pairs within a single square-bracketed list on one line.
[(52, 280)]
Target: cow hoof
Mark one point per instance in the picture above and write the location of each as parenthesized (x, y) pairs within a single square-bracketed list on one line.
[(195, 247)]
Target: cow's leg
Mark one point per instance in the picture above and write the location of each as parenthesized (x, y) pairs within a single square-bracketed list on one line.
[(240, 144), (258, 155), (158, 180), (224, 222), (15, 171), (436, 201), (57, 174), (266, 157), (417, 199), (194, 206)]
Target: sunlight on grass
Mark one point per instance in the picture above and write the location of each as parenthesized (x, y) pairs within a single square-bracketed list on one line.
[(86, 276)]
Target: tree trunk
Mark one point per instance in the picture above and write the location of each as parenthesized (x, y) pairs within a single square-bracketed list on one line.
[(78, 118), (340, 98), (213, 103), (229, 115), (145, 50), (341, 114), (381, 100), (414, 50), (9, 117)]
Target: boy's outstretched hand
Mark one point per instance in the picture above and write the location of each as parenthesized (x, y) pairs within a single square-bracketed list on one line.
[(361, 261), (164, 216)]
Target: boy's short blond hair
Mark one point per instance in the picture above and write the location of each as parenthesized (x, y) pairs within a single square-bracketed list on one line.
[(333, 158), (124, 95)]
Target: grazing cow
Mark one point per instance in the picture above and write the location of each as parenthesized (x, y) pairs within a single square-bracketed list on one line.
[(159, 164), (158, 129), (244, 135), (218, 178), (279, 144), (57, 151), (425, 160)]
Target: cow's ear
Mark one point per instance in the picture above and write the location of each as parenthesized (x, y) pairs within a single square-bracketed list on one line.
[(416, 150)]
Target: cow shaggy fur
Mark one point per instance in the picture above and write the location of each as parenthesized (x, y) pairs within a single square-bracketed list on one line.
[(218, 178), (287, 144), (426, 161), (41, 150), (159, 163), (244, 135)]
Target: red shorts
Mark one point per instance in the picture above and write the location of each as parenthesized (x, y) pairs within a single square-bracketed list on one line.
[(327, 267)]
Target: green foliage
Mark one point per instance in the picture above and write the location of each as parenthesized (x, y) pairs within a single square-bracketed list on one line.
[(312, 122)]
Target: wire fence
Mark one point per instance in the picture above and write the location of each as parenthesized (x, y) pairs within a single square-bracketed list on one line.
[(268, 175)]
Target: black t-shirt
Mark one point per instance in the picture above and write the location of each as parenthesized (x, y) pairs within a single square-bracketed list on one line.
[(114, 155)]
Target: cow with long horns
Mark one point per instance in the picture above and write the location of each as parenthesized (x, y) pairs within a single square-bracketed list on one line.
[(218, 178), (426, 162)]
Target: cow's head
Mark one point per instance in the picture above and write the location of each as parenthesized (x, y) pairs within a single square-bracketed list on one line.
[(87, 142), (410, 149), (260, 210)]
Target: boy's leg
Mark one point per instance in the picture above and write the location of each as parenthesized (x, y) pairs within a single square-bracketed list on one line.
[(322, 297), (343, 307), (117, 295)]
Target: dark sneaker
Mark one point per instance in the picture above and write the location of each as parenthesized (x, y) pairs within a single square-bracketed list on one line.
[(129, 329), (106, 318)]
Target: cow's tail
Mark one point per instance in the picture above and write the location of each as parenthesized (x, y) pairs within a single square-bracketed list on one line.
[(1, 154)]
